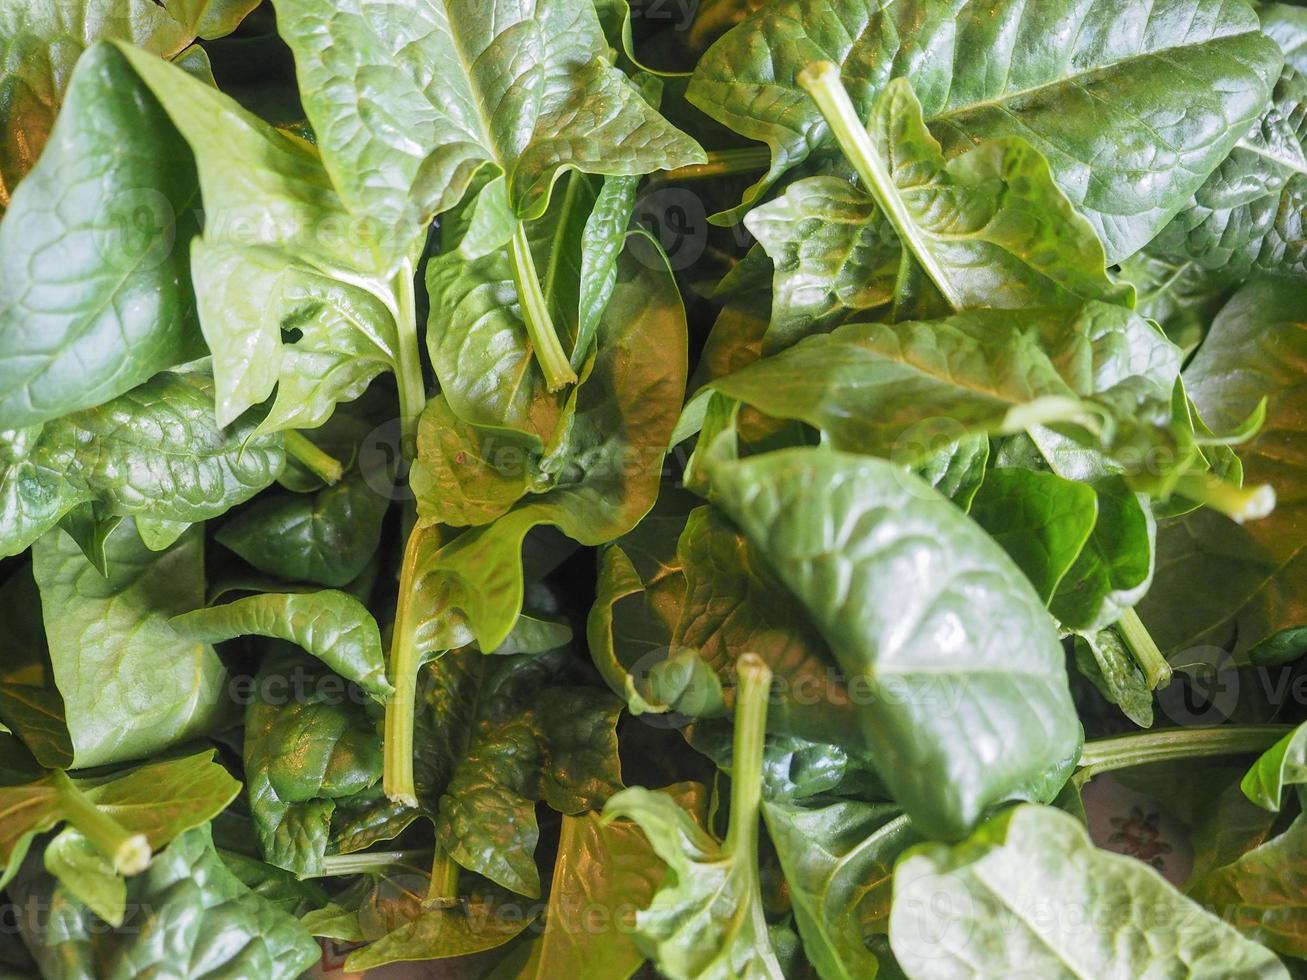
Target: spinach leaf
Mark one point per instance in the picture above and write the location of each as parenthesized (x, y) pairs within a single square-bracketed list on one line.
[(161, 801), (970, 907), (604, 868), (523, 90), (988, 228), (1080, 83), (281, 254), (154, 452), (45, 38), (1106, 661), (1284, 764), (839, 863), (1040, 519), (1247, 216), (192, 911), (1224, 584), (307, 745), (326, 536), (707, 919), (625, 414), (509, 735), (95, 290), (130, 685), (1101, 372), (333, 626), (835, 527), (509, 101), (1260, 892)]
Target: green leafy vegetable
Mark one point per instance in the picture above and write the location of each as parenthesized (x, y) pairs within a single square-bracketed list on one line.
[(975, 901), (130, 685), (835, 527)]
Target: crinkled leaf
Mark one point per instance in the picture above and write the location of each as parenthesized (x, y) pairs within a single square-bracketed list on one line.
[(1248, 216), (336, 754), (95, 292), (867, 548), (193, 916), (154, 451), (990, 227), (1080, 84), (1263, 892), (326, 536), (871, 387), (1029, 892), (409, 103)]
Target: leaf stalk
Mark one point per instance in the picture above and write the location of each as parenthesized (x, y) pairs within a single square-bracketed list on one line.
[(549, 351)]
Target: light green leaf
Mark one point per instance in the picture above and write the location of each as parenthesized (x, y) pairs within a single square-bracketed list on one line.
[(1263, 892), (333, 626), (130, 685), (603, 869), (95, 290), (612, 462), (159, 801), (1081, 84), (154, 451), (1284, 764), (838, 862), (523, 89), (209, 19), (1029, 892), (87, 875), (707, 919), (989, 228), (868, 548), (1100, 371), (280, 252), (43, 41)]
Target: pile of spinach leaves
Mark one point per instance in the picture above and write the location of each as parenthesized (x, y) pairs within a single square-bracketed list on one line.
[(688, 488)]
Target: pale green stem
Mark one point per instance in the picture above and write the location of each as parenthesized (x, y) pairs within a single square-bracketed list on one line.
[(369, 862), (821, 80), (535, 314), (442, 892), (753, 685), (1237, 503), (1157, 672), (412, 391), (129, 853), (322, 465), (721, 163), (1126, 751), (397, 747)]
